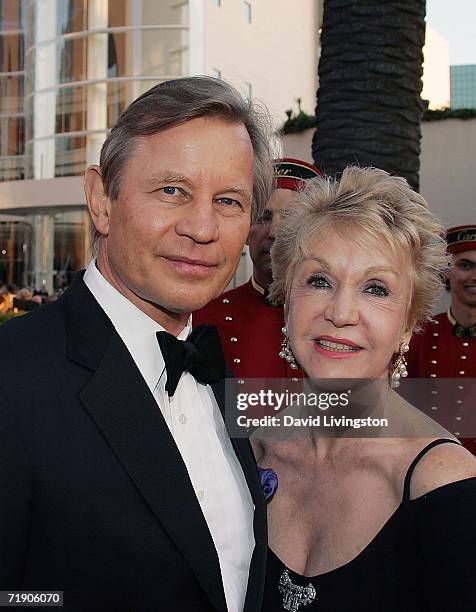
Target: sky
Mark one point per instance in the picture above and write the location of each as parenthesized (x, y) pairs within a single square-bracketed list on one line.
[(455, 20)]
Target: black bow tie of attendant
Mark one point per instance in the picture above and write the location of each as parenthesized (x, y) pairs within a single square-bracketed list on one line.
[(201, 355), (464, 332)]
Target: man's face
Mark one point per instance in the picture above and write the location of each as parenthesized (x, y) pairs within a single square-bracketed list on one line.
[(463, 279), (263, 233), (174, 236)]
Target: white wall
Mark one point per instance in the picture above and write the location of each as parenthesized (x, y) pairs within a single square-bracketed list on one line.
[(277, 53), (436, 69), (448, 166)]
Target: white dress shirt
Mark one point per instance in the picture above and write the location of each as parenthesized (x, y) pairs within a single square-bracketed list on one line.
[(197, 427)]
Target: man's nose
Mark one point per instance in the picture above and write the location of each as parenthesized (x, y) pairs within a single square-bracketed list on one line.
[(342, 309), (199, 221)]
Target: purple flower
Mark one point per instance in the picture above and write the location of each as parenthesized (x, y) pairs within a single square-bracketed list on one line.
[(269, 482)]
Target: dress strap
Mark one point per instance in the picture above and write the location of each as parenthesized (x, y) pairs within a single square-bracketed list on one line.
[(409, 474)]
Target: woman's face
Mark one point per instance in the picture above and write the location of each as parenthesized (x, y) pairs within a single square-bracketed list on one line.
[(347, 309)]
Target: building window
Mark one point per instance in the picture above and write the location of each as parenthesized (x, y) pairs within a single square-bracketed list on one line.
[(247, 11), (216, 73)]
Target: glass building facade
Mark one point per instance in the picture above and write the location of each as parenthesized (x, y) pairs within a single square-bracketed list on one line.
[(68, 69), (463, 86)]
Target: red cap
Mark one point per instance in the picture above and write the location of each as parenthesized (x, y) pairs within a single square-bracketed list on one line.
[(461, 238), (293, 173)]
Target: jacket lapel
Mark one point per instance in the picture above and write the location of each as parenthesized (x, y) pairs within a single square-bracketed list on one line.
[(120, 403), (244, 452)]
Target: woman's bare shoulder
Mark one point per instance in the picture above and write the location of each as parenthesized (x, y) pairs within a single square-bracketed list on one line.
[(442, 465)]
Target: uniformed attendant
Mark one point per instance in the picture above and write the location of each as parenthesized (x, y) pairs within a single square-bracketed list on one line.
[(447, 346), (250, 327)]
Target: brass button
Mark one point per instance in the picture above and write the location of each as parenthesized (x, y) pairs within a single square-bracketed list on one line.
[(435, 334), (460, 387), (236, 360), (234, 339), (228, 318), (465, 343), (459, 418), (461, 372), (434, 407), (457, 434), (459, 401), (432, 375), (226, 301), (434, 392), (434, 362), (241, 381), (433, 348), (463, 357)]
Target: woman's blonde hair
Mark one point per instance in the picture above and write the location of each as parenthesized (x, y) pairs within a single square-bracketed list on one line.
[(365, 202)]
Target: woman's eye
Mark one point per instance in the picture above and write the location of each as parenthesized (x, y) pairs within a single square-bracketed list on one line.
[(318, 281), (378, 290)]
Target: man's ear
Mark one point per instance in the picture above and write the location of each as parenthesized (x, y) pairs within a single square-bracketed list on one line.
[(99, 204)]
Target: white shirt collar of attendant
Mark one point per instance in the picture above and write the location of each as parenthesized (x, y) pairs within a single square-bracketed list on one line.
[(136, 329), (257, 287), (451, 318)]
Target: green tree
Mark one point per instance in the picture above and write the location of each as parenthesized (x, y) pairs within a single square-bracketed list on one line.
[(369, 105)]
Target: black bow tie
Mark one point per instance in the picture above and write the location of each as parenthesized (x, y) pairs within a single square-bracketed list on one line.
[(201, 355), (464, 332)]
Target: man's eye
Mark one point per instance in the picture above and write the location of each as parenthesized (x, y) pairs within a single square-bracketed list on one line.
[(378, 290), (229, 201), (170, 190), (318, 281)]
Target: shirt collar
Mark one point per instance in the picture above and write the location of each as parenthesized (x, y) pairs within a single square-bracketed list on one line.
[(136, 329), (257, 287)]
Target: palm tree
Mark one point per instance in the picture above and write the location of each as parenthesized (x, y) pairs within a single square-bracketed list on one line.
[(369, 105)]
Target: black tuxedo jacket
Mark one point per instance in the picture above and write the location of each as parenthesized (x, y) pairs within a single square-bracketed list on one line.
[(95, 499)]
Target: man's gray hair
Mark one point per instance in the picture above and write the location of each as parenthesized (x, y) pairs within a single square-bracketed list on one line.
[(173, 103)]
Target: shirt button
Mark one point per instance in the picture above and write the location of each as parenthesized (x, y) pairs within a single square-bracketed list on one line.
[(200, 495), (182, 419)]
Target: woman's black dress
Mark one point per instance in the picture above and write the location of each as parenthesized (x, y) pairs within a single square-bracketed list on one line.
[(423, 559)]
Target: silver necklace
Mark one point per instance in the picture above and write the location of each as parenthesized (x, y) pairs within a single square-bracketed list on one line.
[(295, 596)]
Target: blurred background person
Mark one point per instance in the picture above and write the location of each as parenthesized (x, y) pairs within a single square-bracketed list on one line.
[(249, 326), (446, 347)]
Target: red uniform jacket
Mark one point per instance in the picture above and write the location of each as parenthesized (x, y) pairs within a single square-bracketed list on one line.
[(250, 331), (438, 353)]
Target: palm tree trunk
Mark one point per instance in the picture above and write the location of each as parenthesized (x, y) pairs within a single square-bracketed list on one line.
[(369, 106)]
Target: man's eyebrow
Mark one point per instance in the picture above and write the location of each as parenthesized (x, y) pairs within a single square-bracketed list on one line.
[(167, 177), (239, 190), (465, 261)]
